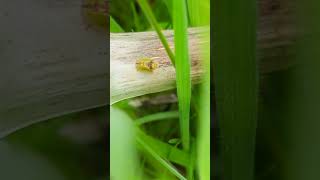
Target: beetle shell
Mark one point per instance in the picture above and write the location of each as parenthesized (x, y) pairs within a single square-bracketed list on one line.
[(146, 64)]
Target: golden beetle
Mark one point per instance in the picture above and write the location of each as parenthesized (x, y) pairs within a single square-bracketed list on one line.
[(146, 64)]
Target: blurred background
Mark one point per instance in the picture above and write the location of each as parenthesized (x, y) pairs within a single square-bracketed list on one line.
[(73, 145), (287, 145), (65, 148)]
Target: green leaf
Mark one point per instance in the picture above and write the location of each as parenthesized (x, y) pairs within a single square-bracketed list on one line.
[(182, 69), (165, 150), (180, 24), (203, 143), (114, 26), (136, 19), (198, 11), (174, 141), (161, 160), (157, 117), (236, 82), (168, 3)]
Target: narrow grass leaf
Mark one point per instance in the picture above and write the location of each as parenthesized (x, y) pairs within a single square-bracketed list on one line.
[(157, 117), (162, 161), (180, 24), (193, 157), (182, 68), (168, 3), (135, 17), (114, 26), (236, 82), (165, 150), (152, 20), (198, 12), (193, 12), (203, 149)]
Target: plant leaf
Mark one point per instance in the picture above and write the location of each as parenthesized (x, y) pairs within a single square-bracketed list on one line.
[(235, 67), (157, 117), (114, 26), (182, 68)]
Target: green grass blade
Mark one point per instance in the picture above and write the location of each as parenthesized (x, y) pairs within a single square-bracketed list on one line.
[(152, 20), (135, 17), (236, 82), (168, 4), (193, 12), (162, 161), (180, 23), (191, 165), (198, 11), (114, 26), (165, 150), (157, 117), (203, 149)]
